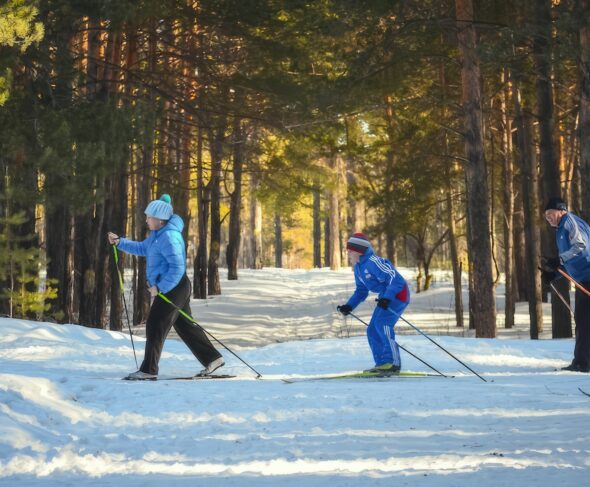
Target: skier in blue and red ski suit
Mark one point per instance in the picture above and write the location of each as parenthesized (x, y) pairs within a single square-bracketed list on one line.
[(376, 274)]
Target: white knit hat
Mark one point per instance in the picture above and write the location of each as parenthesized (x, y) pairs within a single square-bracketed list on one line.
[(161, 209)]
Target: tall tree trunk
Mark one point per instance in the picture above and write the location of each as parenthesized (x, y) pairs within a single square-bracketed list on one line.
[(520, 286), (186, 122), (117, 218), (355, 214), (327, 234), (58, 214), (216, 151), (92, 255), (551, 182), (141, 303), (450, 214), (116, 195), (523, 124), (569, 153), (235, 231), (93, 56), (334, 213), (472, 297), (508, 201), (317, 226), (203, 198), (100, 264), (478, 207), (390, 161), (255, 218), (59, 250), (203, 191), (278, 241), (356, 206), (584, 16), (99, 259), (5, 308), (113, 63), (82, 270), (391, 250), (450, 217), (181, 203)]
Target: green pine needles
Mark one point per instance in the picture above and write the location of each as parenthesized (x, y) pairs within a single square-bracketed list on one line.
[(24, 294)]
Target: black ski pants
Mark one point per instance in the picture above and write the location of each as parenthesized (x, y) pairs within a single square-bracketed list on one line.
[(164, 316), (582, 318)]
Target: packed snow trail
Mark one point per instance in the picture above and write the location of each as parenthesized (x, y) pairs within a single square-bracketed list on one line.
[(62, 423)]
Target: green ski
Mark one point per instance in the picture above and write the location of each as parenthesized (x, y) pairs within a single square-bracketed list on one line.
[(365, 376)]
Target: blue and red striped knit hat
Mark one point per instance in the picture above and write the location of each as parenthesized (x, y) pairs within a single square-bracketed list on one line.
[(358, 242)]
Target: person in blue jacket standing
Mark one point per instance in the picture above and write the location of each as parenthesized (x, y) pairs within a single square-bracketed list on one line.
[(376, 274), (573, 245), (165, 252)]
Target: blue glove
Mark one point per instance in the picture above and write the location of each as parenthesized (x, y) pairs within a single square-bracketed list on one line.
[(345, 309)]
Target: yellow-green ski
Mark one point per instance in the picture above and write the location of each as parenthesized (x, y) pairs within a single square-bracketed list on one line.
[(366, 375)]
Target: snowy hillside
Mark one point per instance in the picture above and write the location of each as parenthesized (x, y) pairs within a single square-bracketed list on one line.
[(67, 419)]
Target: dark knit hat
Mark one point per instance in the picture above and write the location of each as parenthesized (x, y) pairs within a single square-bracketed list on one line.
[(359, 243), (556, 204)]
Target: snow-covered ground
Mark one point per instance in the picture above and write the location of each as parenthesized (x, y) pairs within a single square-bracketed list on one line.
[(67, 419), (278, 305)]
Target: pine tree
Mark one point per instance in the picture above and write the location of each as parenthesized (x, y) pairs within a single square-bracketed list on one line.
[(24, 294), (19, 29)]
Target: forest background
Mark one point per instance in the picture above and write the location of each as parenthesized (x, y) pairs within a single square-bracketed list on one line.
[(439, 128)]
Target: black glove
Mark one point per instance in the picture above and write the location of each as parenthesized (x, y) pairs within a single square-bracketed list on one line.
[(550, 263), (383, 303), (345, 309), (548, 276)]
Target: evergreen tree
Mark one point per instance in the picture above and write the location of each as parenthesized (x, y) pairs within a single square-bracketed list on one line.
[(23, 294)]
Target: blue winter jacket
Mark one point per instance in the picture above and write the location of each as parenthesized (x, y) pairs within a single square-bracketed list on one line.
[(165, 254), (376, 274), (573, 244)]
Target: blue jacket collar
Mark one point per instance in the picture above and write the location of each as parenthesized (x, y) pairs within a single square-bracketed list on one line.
[(368, 253), (562, 221), (174, 224)]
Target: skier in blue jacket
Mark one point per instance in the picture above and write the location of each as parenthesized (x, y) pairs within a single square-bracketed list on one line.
[(376, 274), (573, 245), (165, 253)]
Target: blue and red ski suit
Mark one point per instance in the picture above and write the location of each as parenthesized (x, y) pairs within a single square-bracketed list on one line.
[(573, 243), (376, 274)]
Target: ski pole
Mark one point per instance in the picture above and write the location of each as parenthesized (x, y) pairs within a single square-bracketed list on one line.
[(561, 297), (192, 320), (557, 293), (437, 344), (116, 254), (573, 281), (404, 349)]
